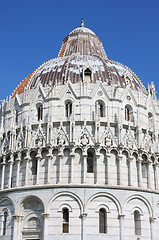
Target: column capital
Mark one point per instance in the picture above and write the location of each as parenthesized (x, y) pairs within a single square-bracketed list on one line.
[(120, 156), (121, 216), (130, 159), (84, 215), (152, 219), (139, 159), (17, 218), (45, 215), (84, 155), (60, 155), (108, 155), (3, 163), (11, 161)]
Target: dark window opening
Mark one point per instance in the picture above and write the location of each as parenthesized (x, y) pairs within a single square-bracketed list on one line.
[(68, 109), (65, 223), (34, 166), (129, 113), (40, 112), (101, 110), (137, 223), (90, 162), (16, 116), (5, 223), (34, 163), (102, 221), (87, 75)]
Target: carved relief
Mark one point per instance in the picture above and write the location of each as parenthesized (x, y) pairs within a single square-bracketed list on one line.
[(128, 141), (38, 137), (61, 139), (5, 145), (20, 141), (108, 140), (147, 143), (84, 139)]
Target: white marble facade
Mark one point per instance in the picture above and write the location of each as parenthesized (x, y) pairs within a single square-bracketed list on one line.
[(83, 147)]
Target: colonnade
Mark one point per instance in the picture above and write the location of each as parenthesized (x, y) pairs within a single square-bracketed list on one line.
[(152, 177)]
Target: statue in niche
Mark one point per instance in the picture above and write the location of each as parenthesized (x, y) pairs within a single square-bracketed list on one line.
[(108, 140), (129, 143), (148, 147), (61, 139), (38, 141), (84, 139), (6, 145)]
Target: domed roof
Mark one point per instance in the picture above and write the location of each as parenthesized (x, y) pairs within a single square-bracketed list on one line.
[(82, 30), (81, 49)]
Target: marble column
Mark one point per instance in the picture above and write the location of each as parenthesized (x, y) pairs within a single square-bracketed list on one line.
[(108, 177), (3, 173), (45, 224), (140, 171), (1, 223), (97, 168), (27, 161), (149, 174), (131, 171), (38, 157), (11, 161), (84, 230), (84, 167), (49, 158), (121, 220), (120, 157), (18, 160), (152, 221), (156, 176), (17, 227), (72, 167), (60, 156)]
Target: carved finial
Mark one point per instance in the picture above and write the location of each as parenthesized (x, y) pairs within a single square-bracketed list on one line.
[(82, 23), (151, 90)]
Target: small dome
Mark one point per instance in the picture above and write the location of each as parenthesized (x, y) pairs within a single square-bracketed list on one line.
[(82, 30)]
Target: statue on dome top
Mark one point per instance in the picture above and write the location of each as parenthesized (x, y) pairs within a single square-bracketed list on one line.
[(82, 23)]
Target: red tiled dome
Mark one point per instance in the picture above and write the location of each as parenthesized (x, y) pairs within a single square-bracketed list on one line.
[(79, 49)]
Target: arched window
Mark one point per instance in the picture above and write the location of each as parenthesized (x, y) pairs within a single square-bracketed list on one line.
[(68, 109), (40, 112), (128, 113), (100, 108), (65, 221), (102, 221), (137, 222), (90, 162), (4, 223), (87, 75)]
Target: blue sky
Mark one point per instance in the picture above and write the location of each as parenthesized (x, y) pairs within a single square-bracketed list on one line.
[(31, 32)]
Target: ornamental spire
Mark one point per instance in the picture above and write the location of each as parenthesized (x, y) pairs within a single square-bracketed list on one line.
[(82, 23)]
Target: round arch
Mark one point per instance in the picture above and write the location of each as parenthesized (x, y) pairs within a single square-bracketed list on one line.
[(141, 198), (66, 194), (108, 195), (19, 206)]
